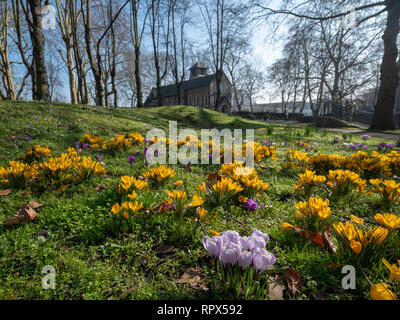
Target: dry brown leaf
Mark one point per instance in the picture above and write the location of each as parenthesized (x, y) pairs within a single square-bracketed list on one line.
[(293, 280), (165, 249), (101, 187), (276, 287), (34, 205), (327, 238), (26, 213), (214, 177), (5, 192), (194, 277)]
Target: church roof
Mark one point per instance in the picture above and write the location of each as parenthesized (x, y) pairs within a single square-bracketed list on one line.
[(198, 65), (171, 90)]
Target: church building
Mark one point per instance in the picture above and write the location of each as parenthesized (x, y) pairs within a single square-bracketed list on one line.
[(200, 90)]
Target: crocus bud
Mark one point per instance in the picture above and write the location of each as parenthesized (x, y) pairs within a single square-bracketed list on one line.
[(230, 236), (245, 259), (256, 242), (262, 260), (261, 234), (227, 257), (213, 245), (244, 243)]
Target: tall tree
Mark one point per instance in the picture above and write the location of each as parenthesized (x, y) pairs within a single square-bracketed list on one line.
[(65, 20), (383, 110), (137, 36), (33, 16), (158, 16), (5, 64)]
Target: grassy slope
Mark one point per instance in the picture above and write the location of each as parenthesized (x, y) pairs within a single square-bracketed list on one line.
[(93, 261)]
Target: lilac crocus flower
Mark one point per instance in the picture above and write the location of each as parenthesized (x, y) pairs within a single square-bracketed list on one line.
[(213, 245), (36, 117), (245, 259), (336, 140), (244, 243), (230, 236), (252, 205), (27, 138), (256, 243), (227, 256), (258, 233), (262, 260)]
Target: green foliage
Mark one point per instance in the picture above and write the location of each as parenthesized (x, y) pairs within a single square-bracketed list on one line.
[(76, 233)]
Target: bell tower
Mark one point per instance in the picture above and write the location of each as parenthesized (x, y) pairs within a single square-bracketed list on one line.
[(198, 70)]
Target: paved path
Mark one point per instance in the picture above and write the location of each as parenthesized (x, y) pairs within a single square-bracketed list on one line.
[(359, 132)]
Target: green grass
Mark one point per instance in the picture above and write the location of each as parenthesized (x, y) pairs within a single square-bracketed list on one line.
[(75, 232)]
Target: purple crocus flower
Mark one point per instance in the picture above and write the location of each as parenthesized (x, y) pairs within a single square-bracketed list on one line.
[(258, 233), (336, 140), (244, 243), (245, 259), (306, 149), (29, 123), (131, 159), (27, 138), (85, 146), (365, 136), (256, 243), (251, 204), (262, 260), (77, 144), (99, 156), (227, 256), (136, 154), (230, 236), (213, 245), (36, 117)]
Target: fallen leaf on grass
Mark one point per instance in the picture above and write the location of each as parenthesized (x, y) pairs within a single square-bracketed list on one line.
[(101, 187), (314, 237), (26, 213), (327, 239), (194, 277), (214, 177), (293, 280), (276, 286), (165, 249), (5, 192)]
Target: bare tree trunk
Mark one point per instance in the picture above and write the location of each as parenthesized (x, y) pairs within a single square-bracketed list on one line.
[(41, 87), (5, 65), (65, 21), (383, 115), (95, 65), (137, 39)]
